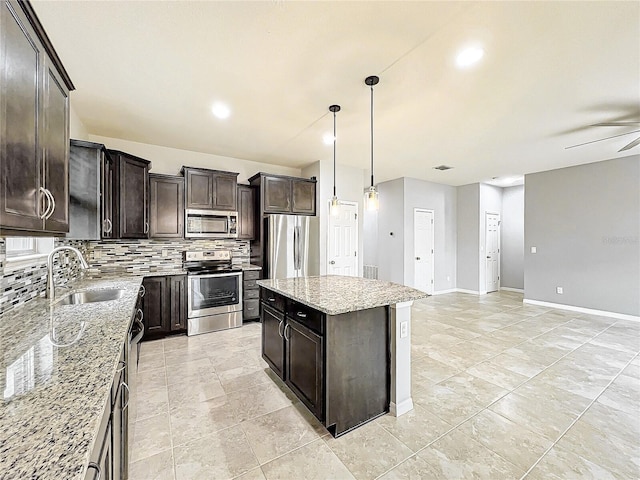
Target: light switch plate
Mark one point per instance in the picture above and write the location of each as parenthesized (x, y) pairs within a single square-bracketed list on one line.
[(404, 329), (559, 290), (534, 250)]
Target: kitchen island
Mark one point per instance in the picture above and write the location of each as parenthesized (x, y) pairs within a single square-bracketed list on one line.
[(341, 344)]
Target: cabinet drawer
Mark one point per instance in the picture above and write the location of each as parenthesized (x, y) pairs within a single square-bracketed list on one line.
[(273, 299), (250, 294), (251, 308), (250, 284), (251, 274), (306, 316)]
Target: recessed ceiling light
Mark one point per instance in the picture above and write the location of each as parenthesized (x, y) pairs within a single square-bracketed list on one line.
[(220, 110), (328, 138), (469, 56), (507, 181)]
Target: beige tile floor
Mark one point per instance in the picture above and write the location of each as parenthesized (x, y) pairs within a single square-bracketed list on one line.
[(502, 390)]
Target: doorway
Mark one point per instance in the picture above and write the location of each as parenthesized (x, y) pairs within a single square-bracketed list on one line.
[(342, 251), (423, 248), (492, 249)]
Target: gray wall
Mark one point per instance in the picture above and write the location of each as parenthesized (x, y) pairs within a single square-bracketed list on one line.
[(442, 200), (585, 223), (512, 238), (390, 220), (468, 243)]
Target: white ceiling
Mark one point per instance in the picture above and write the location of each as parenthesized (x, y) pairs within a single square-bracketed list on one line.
[(150, 71)]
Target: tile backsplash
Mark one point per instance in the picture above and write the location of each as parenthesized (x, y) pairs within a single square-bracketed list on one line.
[(140, 256), (20, 285)]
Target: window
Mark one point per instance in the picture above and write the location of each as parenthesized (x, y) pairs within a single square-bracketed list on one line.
[(23, 251)]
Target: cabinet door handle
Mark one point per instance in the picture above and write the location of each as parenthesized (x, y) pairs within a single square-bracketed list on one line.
[(142, 291), (123, 384), (146, 227), (124, 365), (53, 202), (271, 299), (288, 339), (96, 467), (109, 224), (301, 314), (44, 214), (279, 325)]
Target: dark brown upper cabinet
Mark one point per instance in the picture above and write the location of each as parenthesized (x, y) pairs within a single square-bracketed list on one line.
[(210, 189), (90, 191), (34, 132), (166, 206), (131, 198), (246, 212), (287, 195)]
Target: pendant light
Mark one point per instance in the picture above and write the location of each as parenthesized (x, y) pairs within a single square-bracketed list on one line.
[(371, 195), (335, 203)]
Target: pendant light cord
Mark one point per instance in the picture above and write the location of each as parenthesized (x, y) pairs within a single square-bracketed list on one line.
[(372, 135), (334, 153)]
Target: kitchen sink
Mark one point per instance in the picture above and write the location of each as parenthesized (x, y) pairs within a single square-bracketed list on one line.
[(92, 296)]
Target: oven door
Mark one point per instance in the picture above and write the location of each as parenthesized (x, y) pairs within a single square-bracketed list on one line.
[(214, 293)]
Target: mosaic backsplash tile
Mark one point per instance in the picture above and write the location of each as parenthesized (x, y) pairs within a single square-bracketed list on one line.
[(128, 256), (20, 285)]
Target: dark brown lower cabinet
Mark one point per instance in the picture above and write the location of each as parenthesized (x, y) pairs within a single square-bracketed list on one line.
[(304, 365), (178, 290), (272, 339), (337, 365), (164, 305)]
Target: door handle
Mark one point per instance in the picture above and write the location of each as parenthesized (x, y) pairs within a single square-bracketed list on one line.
[(332, 262), (44, 214), (488, 256), (417, 258), (53, 202)]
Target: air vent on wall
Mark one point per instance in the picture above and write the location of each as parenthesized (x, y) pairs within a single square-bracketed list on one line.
[(442, 167)]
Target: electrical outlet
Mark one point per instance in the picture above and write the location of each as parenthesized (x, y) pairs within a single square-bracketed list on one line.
[(404, 329), (165, 253), (559, 290), (534, 250)]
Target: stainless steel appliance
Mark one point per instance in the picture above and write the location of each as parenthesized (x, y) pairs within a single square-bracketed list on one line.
[(210, 224), (214, 292), (290, 246)]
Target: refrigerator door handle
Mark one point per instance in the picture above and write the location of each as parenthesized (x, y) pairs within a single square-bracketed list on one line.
[(296, 248)]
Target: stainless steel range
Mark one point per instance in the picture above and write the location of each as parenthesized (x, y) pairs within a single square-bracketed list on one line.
[(214, 292)]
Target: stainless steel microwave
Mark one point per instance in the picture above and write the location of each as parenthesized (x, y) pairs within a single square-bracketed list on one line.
[(210, 224)]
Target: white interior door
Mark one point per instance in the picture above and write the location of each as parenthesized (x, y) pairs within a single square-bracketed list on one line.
[(423, 249), (342, 255), (492, 249)]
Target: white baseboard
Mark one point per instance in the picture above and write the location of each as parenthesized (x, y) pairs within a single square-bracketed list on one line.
[(591, 311), (441, 292), (509, 289), (464, 290), (401, 408)]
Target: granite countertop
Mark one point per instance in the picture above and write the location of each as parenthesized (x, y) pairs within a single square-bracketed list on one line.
[(333, 294), (54, 396), (250, 266)]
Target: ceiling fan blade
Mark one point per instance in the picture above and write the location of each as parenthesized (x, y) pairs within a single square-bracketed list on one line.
[(614, 124), (635, 143), (601, 139)]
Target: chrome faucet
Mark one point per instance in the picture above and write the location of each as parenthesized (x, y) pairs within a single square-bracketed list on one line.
[(51, 292)]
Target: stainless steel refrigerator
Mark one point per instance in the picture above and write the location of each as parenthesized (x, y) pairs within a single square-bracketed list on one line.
[(291, 246)]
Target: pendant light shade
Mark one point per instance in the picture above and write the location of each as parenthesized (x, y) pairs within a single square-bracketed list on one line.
[(371, 195), (334, 209)]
